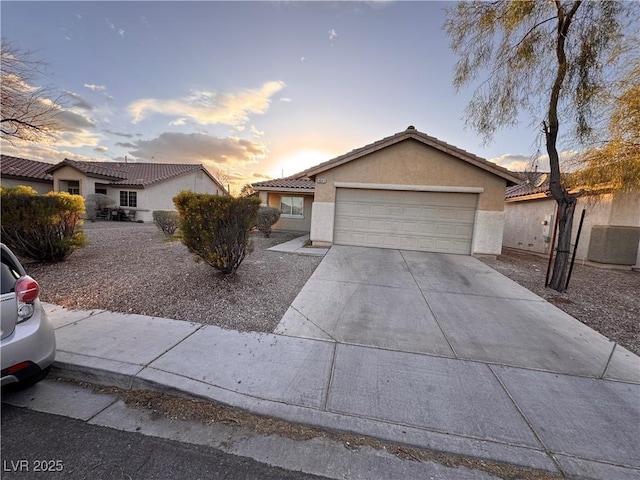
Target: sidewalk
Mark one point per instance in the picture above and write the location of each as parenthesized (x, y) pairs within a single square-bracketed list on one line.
[(579, 426)]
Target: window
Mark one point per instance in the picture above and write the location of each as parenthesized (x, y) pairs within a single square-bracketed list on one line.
[(292, 206), (73, 187), (128, 199), (103, 191)]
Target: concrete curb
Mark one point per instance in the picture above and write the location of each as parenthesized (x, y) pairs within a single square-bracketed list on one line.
[(146, 378)]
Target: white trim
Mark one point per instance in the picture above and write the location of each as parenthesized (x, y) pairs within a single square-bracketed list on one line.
[(411, 188)]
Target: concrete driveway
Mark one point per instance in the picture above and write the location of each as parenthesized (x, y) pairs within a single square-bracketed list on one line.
[(446, 305)]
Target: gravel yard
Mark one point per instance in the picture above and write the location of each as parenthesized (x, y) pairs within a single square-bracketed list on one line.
[(606, 300), (130, 268)]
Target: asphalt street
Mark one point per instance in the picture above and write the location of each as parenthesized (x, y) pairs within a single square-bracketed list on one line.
[(38, 445)]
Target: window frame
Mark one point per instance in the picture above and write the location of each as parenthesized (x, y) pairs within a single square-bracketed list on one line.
[(130, 198), (73, 187), (291, 214)]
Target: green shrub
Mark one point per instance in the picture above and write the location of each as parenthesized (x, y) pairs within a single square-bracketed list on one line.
[(216, 228), (41, 227), (167, 221), (267, 217), (97, 202)]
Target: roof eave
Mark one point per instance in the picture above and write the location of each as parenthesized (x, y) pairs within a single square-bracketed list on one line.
[(27, 178), (422, 138), (285, 189)]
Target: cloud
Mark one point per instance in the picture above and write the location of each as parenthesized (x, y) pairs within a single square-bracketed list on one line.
[(43, 152), (513, 162), (332, 35), (79, 102), (172, 147), (256, 132), (522, 163), (111, 25), (285, 100), (178, 122), (261, 175), (209, 108), (126, 145), (95, 88), (73, 122), (119, 134), (100, 149), (301, 59), (121, 32)]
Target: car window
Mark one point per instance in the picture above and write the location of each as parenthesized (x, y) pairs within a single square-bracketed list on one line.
[(9, 275)]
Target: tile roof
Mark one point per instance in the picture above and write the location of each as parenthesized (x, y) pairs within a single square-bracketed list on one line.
[(533, 183), (24, 169), (304, 184), (132, 174), (411, 132)]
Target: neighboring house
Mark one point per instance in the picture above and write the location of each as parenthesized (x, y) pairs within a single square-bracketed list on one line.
[(16, 171), (137, 187), (610, 232), (408, 191)]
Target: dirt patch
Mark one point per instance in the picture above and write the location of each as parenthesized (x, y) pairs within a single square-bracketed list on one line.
[(130, 268), (606, 300)]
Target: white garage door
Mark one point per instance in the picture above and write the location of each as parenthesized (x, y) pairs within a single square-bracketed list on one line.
[(425, 221)]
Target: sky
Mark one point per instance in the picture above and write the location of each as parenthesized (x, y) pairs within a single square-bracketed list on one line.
[(252, 90)]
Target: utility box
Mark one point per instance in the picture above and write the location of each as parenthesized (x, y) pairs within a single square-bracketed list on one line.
[(617, 245)]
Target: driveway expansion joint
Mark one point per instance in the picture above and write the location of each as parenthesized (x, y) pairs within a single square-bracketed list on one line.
[(435, 316), (606, 366)]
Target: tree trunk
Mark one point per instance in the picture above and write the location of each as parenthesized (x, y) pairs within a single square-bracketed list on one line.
[(566, 201), (566, 208)]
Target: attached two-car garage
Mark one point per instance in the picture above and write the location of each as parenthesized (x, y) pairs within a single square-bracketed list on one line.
[(408, 191), (411, 220)]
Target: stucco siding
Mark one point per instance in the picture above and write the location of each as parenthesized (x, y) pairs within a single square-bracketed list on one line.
[(487, 233), (524, 229), (66, 173), (160, 196), (289, 223), (155, 197), (413, 163)]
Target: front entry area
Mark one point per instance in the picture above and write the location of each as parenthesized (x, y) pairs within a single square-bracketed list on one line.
[(409, 220)]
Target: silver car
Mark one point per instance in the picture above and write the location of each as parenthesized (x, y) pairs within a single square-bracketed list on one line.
[(28, 340)]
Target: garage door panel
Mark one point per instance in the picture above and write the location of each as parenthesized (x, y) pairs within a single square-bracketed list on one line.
[(427, 221)]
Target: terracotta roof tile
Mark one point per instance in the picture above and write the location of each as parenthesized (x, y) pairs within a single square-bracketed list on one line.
[(411, 132), (533, 183), (286, 183), (132, 174), (24, 168)]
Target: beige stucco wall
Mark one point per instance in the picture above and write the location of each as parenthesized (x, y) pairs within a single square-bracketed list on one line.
[(413, 163), (68, 173), (39, 187), (523, 220), (272, 199)]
